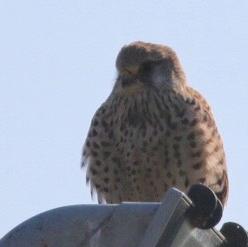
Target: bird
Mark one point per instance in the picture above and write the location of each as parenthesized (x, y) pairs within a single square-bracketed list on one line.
[(153, 132)]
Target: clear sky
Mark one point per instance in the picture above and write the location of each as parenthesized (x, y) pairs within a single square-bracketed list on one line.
[(57, 66)]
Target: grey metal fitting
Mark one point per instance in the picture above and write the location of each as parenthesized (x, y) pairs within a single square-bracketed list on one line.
[(165, 224)]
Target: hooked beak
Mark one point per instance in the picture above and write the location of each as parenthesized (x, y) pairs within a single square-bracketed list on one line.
[(128, 76), (131, 70)]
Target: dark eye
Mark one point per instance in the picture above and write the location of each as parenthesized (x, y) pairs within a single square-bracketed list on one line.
[(146, 71), (146, 67)]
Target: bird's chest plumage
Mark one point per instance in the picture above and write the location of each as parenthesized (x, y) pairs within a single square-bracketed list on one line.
[(146, 125), (139, 147), (147, 138)]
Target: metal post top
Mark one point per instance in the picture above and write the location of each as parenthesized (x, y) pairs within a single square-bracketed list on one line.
[(178, 221)]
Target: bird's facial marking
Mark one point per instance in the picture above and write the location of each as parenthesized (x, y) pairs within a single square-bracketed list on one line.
[(145, 71), (148, 73), (156, 72)]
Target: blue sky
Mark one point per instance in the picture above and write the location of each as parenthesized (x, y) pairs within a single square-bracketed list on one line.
[(57, 66)]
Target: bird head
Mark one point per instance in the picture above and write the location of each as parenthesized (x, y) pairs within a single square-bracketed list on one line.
[(143, 65)]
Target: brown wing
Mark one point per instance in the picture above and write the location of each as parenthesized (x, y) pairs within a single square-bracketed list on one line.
[(96, 150), (217, 168)]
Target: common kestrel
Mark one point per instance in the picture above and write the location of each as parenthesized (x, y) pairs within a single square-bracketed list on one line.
[(153, 132)]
